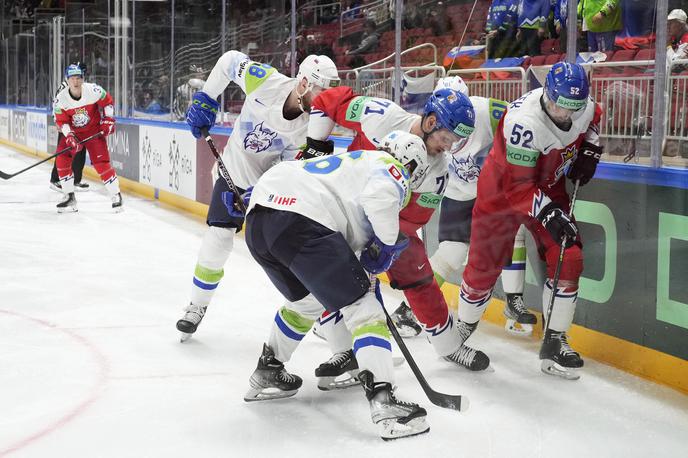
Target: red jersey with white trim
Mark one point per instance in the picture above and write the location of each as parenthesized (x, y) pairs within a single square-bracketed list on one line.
[(82, 116), (530, 153), (372, 118)]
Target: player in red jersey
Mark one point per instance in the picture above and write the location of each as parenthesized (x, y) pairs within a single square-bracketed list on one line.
[(546, 133), (78, 116), (447, 122)]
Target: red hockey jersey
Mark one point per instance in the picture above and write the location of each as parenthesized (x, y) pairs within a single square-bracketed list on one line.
[(82, 116)]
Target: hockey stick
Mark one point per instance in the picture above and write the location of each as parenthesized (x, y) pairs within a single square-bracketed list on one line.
[(557, 271), (448, 401), (7, 176), (238, 202)]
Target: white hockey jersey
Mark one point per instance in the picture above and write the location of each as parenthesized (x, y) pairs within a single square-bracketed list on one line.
[(358, 193), (261, 136), (465, 165)]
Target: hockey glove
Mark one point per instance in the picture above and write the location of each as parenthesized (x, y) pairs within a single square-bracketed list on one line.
[(585, 164), (558, 224), (202, 112), (232, 204), (315, 148), (73, 142), (107, 126), (378, 257)]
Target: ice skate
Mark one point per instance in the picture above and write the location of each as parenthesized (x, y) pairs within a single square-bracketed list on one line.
[(117, 203), (68, 204), (81, 187), (56, 186), (470, 358), (558, 358), (405, 321), (519, 321), (271, 380), (338, 372), (190, 321), (395, 419)]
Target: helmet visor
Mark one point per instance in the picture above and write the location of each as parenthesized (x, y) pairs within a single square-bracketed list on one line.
[(453, 141)]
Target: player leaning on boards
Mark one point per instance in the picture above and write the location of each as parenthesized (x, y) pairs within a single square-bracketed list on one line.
[(77, 110), (270, 128), (522, 182), (307, 221), (445, 126)]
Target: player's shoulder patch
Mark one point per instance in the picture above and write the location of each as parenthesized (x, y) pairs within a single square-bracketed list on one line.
[(255, 74)]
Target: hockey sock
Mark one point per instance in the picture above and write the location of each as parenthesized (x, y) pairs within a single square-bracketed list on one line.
[(472, 303), (429, 306), (371, 337), (215, 249), (513, 276), (448, 260), (112, 185), (443, 337), (334, 330), (564, 305), (67, 183), (287, 331)]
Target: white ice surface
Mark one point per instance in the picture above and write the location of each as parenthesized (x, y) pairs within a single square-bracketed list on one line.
[(91, 364)]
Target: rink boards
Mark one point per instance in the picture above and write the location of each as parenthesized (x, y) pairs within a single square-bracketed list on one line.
[(633, 306)]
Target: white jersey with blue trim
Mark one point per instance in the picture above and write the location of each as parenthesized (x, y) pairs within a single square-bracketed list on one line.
[(358, 193), (261, 136), (465, 165)]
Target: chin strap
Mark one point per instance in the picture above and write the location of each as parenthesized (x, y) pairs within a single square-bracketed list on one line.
[(299, 97)]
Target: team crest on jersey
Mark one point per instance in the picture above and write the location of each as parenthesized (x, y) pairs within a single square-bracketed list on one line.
[(567, 157), (465, 168), (80, 118), (259, 139)]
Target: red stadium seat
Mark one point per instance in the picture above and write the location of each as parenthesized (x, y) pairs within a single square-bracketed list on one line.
[(537, 61), (547, 46), (624, 55), (646, 54), (554, 58)]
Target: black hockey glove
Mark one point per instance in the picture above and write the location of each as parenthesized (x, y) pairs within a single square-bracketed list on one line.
[(558, 224), (585, 164), (316, 148)]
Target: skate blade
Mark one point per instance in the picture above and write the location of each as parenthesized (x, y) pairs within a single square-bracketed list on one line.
[(518, 329), (118, 209), (67, 210), (550, 367), (184, 336), (392, 429), (267, 394), (347, 380), (78, 189)]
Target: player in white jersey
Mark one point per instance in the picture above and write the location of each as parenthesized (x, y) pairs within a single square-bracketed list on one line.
[(270, 128), (457, 206), (307, 221)]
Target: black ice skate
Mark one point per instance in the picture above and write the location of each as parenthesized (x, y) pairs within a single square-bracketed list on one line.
[(558, 358), (338, 372), (271, 380), (190, 321), (81, 187), (471, 359), (405, 321), (395, 419), (68, 204), (519, 320), (117, 202)]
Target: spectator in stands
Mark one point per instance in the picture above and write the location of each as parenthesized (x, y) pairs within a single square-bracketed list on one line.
[(150, 104), (501, 28), (438, 20), (677, 31), (560, 17), (349, 10), (369, 43), (601, 21), (532, 17), (413, 18)]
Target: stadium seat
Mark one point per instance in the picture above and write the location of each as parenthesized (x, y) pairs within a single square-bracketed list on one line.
[(547, 46), (646, 54), (537, 61), (623, 55), (554, 58)]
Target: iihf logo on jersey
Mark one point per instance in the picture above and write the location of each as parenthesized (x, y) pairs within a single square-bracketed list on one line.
[(281, 200), (465, 168), (259, 139), (80, 117)]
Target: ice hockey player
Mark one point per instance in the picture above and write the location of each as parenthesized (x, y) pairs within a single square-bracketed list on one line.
[(456, 214), (77, 110), (306, 223), (271, 127), (445, 126), (544, 134)]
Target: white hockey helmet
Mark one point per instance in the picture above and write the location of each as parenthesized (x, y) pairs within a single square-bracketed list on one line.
[(410, 150), (452, 82), (319, 71)]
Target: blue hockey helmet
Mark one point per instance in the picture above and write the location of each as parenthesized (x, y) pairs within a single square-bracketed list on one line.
[(567, 86), (74, 70), (455, 117)]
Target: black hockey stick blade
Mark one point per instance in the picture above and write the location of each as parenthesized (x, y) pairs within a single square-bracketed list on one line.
[(238, 201), (447, 401), (7, 176)]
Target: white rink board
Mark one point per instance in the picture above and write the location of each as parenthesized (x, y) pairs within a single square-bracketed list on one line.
[(167, 160)]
